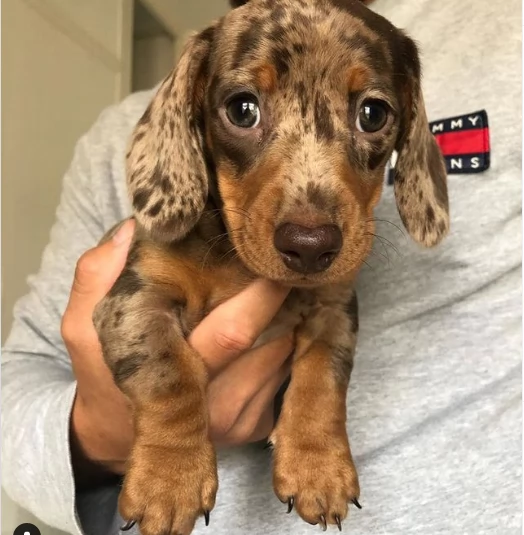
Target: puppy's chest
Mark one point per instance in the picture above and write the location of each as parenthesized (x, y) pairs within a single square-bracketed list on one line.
[(203, 286), (314, 311)]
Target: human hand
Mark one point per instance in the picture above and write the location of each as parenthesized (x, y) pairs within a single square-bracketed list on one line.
[(242, 382)]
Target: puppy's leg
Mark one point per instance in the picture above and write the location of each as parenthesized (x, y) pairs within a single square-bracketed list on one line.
[(313, 468), (171, 477)]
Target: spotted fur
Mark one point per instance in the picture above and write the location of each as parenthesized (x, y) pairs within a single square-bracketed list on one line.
[(208, 197)]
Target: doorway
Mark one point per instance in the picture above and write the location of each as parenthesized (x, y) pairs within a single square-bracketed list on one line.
[(153, 54)]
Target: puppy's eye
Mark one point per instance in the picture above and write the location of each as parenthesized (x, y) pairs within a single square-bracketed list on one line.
[(243, 111), (373, 116)]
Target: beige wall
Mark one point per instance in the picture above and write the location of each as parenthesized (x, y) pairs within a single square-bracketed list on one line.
[(59, 69), (63, 61)]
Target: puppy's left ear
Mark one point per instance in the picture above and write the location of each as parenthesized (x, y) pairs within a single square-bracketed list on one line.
[(166, 169), (420, 173)]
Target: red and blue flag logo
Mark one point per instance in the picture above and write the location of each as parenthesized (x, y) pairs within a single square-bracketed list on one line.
[(464, 141)]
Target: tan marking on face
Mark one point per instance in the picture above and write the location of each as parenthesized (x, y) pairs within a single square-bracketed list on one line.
[(366, 190), (250, 209), (374, 192), (358, 78), (243, 193), (266, 77)]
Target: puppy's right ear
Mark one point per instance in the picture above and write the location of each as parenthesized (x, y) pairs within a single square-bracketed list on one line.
[(166, 171), (420, 173)]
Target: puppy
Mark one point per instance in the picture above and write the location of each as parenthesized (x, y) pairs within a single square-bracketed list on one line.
[(263, 154)]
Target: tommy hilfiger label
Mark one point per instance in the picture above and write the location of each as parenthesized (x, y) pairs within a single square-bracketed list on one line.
[(464, 142)]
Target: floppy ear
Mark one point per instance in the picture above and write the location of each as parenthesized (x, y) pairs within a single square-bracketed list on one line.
[(166, 172), (237, 3), (420, 172)]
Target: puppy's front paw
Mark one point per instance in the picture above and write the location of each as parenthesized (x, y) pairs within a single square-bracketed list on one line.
[(315, 475), (166, 490)]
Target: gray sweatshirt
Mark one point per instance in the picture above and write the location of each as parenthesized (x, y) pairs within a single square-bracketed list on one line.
[(434, 406)]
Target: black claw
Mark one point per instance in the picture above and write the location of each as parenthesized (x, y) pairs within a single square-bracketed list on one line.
[(206, 517), (128, 525), (323, 522), (355, 501), (269, 445), (339, 523), (290, 504)]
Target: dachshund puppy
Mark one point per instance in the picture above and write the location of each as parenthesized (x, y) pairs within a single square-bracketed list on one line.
[(263, 154)]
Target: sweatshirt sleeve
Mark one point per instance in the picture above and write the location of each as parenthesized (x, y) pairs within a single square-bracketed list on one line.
[(38, 386)]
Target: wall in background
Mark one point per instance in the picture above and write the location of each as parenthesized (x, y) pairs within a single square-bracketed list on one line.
[(154, 48)]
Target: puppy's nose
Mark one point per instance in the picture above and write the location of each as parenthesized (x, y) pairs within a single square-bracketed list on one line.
[(308, 250)]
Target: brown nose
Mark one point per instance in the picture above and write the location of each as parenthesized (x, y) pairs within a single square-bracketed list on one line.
[(308, 250)]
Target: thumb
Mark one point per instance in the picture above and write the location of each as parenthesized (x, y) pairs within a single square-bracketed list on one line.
[(98, 269)]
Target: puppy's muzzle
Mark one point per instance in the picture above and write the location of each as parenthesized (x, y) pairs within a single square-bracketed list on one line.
[(308, 250)]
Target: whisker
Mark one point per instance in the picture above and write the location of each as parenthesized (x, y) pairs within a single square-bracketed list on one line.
[(216, 240), (383, 245), (234, 256), (368, 265), (400, 229), (224, 235), (378, 253), (388, 242), (241, 211), (238, 252), (212, 241)]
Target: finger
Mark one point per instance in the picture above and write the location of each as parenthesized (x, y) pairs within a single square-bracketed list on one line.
[(256, 421), (256, 364), (239, 383), (252, 370), (235, 388), (263, 403), (95, 273), (234, 326), (98, 268), (265, 425)]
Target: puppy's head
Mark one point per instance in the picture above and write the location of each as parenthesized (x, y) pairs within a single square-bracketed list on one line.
[(292, 108)]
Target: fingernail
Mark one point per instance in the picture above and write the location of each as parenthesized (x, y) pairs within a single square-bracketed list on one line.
[(124, 233)]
